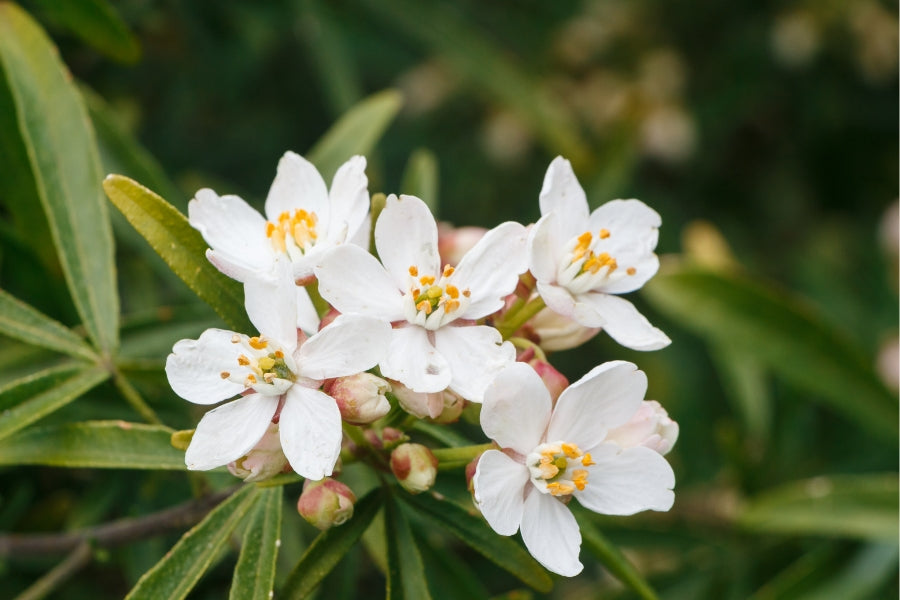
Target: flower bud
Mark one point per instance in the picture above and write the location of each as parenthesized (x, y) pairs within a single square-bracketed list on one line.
[(264, 461), (650, 426), (414, 466), (360, 397), (454, 242), (453, 405), (555, 381), (326, 503), (556, 332)]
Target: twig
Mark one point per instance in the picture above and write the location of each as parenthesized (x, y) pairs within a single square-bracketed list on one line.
[(74, 562)]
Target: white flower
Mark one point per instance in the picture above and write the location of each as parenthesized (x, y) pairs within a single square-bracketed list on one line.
[(434, 343), (551, 454), (581, 260), (272, 372), (650, 426), (302, 220)]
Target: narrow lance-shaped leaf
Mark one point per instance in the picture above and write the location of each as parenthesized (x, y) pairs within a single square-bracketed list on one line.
[(255, 570), (179, 570), (97, 23), (406, 573), (420, 178), (328, 548), (65, 167), (613, 559), (23, 322), (180, 245), (94, 444)]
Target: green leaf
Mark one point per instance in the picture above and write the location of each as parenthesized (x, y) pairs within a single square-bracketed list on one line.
[(860, 578), (94, 444), (745, 384), (328, 548), (37, 398), (254, 574), (613, 559), (420, 178), (62, 153), (23, 322), (180, 569), (855, 506), (356, 132), (783, 335), (406, 573), (97, 23), (181, 246), (474, 532)]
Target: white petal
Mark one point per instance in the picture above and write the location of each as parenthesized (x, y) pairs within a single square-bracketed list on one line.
[(644, 267), (413, 361), (516, 408), (551, 534), (405, 236), (349, 197), (562, 193), (499, 483), (632, 225), (307, 316), (491, 269), (605, 398), (624, 482), (297, 185), (353, 281), (558, 299), (475, 357), (195, 366), (348, 345), (272, 306), (230, 431), (311, 432), (234, 231), (545, 248), (620, 319)]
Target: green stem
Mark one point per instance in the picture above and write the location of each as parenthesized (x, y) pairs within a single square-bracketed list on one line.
[(449, 458), (133, 398), (519, 342), (514, 321)]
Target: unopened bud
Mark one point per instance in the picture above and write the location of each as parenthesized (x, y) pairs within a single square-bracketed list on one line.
[(556, 332), (470, 473), (414, 466), (326, 503), (650, 426), (555, 381), (454, 242), (453, 405), (360, 398), (442, 407), (264, 461)]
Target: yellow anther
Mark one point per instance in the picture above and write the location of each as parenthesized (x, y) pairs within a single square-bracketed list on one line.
[(224, 374), (560, 489), (414, 271), (266, 363), (604, 233), (426, 279), (452, 291), (586, 460), (251, 379), (448, 270), (467, 292), (424, 305), (270, 377), (258, 343), (279, 354), (451, 305), (579, 478), (631, 270), (571, 450), (243, 360), (584, 240)]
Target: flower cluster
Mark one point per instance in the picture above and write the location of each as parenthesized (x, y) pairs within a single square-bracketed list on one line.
[(435, 320)]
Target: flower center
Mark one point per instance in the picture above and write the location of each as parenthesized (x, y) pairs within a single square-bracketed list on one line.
[(432, 302), (587, 266), (263, 367), (558, 468), (293, 234)]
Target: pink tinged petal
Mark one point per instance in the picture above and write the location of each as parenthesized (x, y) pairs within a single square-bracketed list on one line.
[(195, 367), (624, 482), (406, 235), (272, 306), (605, 398), (310, 427), (620, 319), (562, 193), (235, 232), (230, 431), (475, 357), (349, 197), (353, 281), (545, 248), (551, 534), (516, 408), (307, 316), (559, 300), (413, 361), (297, 185), (499, 483), (491, 269), (349, 345)]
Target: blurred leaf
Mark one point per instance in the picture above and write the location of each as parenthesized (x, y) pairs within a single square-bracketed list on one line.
[(744, 381), (42, 400), (860, 578), (94, 444), (254, 574), (181, 246), (97, 23), (781, 334), (23, 322), (329, 547), (356, 132), (406, 573), (857, 506), (613, 559), (63, 159), (421, 178), (474, 532), (177, 573)]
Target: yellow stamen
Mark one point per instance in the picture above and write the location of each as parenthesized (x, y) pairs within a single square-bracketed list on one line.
[(560, 489), (414, 271), (604, 233), (579, 478), (631, 270), (571, 450), (426, 279), (251, 379), (586, 460), (243, 360), (269, 377), (451, 305), (424, 305), (452, 291), (448, 270), (279, 354), (224, 374), (258, 343), (467, 293)]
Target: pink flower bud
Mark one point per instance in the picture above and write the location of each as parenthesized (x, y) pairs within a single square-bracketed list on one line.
[(555, 381), (454, 242), (650, 426), (326, 503), (414, 466), (360, 397), (264, 461), (555, 332), (442, 407)]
